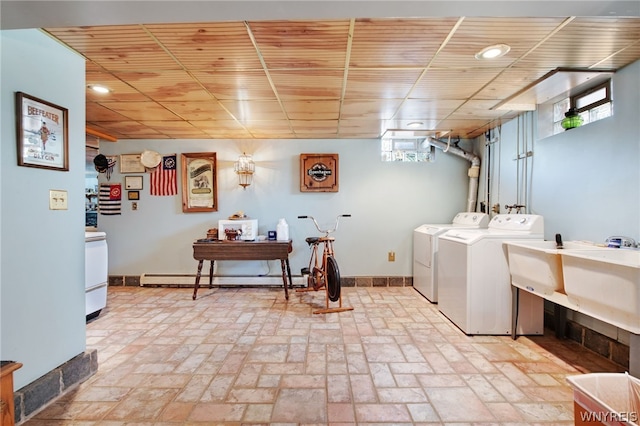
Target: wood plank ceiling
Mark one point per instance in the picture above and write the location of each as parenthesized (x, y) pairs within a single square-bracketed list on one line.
[(351, 78)]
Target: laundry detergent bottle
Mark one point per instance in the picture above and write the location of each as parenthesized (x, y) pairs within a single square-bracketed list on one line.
[(282, 230)]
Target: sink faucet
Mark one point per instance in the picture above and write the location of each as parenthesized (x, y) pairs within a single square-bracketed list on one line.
[(621, 242)]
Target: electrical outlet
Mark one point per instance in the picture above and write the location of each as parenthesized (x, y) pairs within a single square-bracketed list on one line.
[(57, 199), (392, 256)]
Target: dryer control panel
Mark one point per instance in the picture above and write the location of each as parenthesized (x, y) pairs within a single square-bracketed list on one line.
[(530, 223), (481, 220)]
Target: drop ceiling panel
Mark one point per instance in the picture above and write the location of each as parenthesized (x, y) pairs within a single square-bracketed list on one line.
[(174, 127), (118, 48), (380, 84), (360, 128), (302, 44), (312, 110), (369, 108), (477, 109), (379, 43), (509, 82), (98, 112), (584, 43), (166, 85), (203, 46), (141, 110), (245, 111), (426, 109), (197, 110), (119, 90), (239, 85), (135, 129), (222, 128), (411, 125), (256, 126), (452, 84), (474, 34), (308, 84), (310, 126), (475, 127)]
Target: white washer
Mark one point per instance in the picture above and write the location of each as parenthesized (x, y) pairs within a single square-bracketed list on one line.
[(474, 285), (95, 272), (425, 250)]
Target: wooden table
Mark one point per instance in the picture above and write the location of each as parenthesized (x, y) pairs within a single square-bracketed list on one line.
[(242, 250), (7, 409)]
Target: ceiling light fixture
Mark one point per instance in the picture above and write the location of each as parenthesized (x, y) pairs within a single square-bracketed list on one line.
[(493, 52), (244, 168), (99, 89), (415, 124), (571, 120)]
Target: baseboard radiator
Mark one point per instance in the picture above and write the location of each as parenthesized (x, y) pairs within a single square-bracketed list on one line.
[(188, 280)]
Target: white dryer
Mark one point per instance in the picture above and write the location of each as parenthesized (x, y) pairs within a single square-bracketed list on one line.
[(474, 285), (425, 250)]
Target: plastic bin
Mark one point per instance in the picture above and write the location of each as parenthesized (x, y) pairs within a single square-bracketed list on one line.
[(606, 398)]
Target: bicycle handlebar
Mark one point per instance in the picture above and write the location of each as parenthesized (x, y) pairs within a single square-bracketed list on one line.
[(325, 231)]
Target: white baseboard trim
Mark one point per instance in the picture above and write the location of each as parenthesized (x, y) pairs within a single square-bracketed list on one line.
[(188, 280)]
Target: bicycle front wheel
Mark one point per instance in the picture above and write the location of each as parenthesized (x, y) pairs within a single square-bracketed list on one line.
[(333, 279)]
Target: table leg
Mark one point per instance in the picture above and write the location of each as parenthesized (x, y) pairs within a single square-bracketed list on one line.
[(289, 273), (197, 284), (284, 279), (211, 274)]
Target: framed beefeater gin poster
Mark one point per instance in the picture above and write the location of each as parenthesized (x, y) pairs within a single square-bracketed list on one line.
[(319, 172), (42, 130)]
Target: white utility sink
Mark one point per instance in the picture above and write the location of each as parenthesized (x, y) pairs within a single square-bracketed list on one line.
[(536, 265), (605, 284)]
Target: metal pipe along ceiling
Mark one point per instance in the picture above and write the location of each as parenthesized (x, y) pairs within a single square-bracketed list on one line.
[(474, 169)]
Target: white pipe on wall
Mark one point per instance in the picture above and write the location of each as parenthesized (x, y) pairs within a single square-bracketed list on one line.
[(473, 172)]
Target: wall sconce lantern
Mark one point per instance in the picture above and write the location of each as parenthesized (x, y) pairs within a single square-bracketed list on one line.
[(244, 168), (571, 119)]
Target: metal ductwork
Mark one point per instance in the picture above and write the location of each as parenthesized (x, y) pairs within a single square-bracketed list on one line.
[(474, 169)]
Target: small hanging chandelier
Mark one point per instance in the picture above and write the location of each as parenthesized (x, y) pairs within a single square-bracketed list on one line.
[(244, 168)]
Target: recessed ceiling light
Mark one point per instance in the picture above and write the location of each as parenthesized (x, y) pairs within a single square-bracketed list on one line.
[(414, 124), (492, 52), (99, 89)]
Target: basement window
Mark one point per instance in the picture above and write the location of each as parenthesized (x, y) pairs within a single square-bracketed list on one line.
[(592, 105), (406, 150)]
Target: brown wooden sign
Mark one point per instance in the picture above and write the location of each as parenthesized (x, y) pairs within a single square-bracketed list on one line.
[(319, 172)]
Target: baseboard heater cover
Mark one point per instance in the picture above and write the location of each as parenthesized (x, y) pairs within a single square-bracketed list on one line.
[(188, 280)]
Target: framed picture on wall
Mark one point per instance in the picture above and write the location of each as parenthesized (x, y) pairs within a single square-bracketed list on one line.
[(199, 182), (319, 172), (132, 182), (42, 132), (130, 163)]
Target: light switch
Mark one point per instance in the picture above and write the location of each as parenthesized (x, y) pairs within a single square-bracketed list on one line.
[(57, 199)]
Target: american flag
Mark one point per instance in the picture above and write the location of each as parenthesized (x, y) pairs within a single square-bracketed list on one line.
[(163, 179)]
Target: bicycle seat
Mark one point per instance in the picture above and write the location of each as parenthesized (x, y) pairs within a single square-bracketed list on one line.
[(312, 240)]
